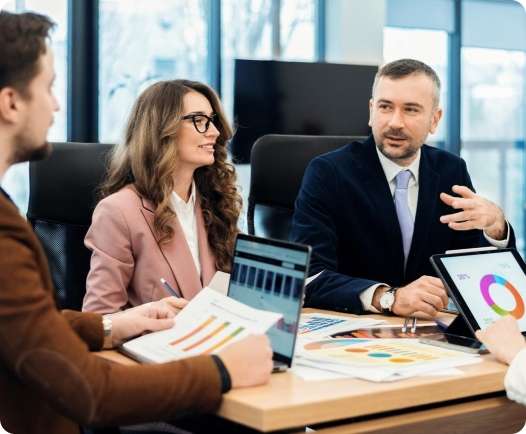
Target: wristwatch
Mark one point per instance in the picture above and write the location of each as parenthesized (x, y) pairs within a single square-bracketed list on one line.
[(107, 327), (387, 300)]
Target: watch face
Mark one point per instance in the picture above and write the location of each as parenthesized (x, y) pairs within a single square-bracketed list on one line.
[(387, 300)]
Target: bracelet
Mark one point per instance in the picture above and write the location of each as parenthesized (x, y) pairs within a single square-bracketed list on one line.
[(226, 380)]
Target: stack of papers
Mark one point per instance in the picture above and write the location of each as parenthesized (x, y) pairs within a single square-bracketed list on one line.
[(209, 323), (379, 359), (318, 325)]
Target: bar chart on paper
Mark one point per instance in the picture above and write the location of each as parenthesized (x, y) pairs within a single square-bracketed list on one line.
[(207, 337), (209, 323)]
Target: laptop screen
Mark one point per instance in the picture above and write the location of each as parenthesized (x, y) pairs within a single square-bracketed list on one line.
[(270, 275)]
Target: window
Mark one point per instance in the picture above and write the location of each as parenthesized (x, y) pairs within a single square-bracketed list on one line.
[(493, 127), (246, 33), (415, 43), (297, 32), (141, 42), (248, 28), (16, 180)]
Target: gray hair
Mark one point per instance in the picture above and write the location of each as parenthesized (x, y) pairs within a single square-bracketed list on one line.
[(404, 67)]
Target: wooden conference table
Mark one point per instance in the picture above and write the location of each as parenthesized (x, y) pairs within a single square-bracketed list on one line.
[(471, 403)]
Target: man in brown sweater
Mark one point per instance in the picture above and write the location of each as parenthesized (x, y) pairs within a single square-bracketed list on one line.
[(49, 380)]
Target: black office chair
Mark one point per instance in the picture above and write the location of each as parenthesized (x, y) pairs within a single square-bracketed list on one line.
[(277, 165), (62, 196)]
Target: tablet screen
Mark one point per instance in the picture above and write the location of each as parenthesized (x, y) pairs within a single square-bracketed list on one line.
[(492, 285)]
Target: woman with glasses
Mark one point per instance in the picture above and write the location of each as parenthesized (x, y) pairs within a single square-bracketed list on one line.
[(170, 205)]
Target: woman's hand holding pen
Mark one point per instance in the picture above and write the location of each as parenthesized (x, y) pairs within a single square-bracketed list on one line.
[(175, 302), (149, 317), (175, 305)]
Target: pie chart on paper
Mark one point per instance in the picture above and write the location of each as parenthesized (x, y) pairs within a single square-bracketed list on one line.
[(333, 343)]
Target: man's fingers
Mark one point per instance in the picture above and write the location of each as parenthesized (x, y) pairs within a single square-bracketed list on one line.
[(433, 281), (463, 191), (426, 308), (438, 291), (447, 198), (459, 217), (433, 300), (463, 226), (421, 315), (459, 202)]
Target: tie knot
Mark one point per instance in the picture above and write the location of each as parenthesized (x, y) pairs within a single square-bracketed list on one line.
[(402, 179)]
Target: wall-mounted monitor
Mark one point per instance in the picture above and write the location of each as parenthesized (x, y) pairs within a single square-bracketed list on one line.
[(298, 98)]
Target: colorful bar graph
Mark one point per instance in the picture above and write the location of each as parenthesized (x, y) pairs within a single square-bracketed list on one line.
[(210, 335), (193, 332), (225, 340)]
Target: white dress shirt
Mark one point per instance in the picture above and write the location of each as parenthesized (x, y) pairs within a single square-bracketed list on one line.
[(185, 212), (515, 379), (391, 170)]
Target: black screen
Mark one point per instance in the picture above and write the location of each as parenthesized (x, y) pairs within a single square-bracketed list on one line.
[(298, 98)]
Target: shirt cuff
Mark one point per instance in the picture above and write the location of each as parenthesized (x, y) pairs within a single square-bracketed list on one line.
[(311, 278), (515, 379), (500, 244), (366, 297)]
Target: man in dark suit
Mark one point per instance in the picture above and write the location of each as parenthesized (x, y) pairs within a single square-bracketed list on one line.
[(374, 212), (49, 380)]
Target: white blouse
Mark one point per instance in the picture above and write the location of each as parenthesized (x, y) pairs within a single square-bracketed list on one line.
[(185, 212)]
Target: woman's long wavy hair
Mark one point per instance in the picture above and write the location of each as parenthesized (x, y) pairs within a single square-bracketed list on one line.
[(148, 156)]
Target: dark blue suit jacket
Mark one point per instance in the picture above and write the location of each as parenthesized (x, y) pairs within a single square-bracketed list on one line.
[(345, 211)]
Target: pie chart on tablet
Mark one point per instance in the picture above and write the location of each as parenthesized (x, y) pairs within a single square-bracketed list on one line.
[(503, 285)]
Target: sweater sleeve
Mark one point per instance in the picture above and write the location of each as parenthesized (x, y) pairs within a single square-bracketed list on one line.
[(43, 349), (515, 380)]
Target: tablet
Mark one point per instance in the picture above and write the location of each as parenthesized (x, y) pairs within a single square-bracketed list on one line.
[(485, 285)]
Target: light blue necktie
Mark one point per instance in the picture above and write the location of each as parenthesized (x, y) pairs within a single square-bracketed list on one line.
[(405, 218)]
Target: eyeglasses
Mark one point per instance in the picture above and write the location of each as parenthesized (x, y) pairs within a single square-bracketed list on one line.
[(201, 122)]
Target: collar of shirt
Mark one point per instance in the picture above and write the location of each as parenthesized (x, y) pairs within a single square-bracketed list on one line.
[(391, 169), (4, 193), (180, 206)]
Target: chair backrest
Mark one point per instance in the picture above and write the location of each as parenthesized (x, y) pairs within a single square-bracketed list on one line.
[(277, 166), (62, 196)]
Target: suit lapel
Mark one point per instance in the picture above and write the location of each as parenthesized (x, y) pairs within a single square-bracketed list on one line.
[(428, 192), (379, 193), (206, 257), (176, 253)]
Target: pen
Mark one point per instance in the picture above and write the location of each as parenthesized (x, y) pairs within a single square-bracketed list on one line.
[(169, 288), (406, 324), (413, 325)]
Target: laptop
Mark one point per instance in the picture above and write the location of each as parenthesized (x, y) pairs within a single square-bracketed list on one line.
[(270, 275)]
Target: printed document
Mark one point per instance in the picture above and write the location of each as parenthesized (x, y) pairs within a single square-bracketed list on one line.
[(209, 323), (379, 359)]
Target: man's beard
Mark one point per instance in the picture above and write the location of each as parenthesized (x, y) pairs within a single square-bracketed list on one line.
[(24, 151), (409, 151)]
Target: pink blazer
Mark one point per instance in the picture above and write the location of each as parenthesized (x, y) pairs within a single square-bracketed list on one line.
[(127, 261)]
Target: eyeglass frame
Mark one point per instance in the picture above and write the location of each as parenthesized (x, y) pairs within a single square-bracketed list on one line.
[(209, 120)]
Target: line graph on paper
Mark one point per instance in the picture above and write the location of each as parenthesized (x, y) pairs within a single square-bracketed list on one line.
[(208, 336)]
